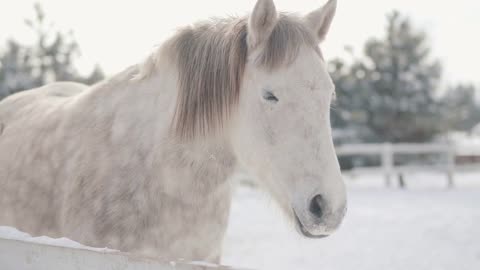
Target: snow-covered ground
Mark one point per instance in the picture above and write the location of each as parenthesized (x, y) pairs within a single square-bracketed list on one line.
[(425, 227)]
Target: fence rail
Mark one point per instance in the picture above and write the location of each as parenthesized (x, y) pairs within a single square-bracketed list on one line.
[(21, 255), (387, 152)]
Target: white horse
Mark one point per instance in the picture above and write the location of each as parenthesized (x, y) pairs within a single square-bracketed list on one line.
[(141, 162)]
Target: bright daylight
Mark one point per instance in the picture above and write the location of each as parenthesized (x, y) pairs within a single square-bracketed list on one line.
[(221, 134)]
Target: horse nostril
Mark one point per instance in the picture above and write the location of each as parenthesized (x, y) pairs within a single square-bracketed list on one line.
[(316, 206)]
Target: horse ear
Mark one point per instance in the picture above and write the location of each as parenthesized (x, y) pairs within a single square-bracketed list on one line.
[(261, 22), (319, 21)]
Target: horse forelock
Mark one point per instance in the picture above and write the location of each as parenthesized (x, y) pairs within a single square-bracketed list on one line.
[(210, 58)]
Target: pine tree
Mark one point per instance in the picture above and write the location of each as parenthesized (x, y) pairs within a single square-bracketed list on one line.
[(392, 89), (15, 69), (50, 58), (460, 109)]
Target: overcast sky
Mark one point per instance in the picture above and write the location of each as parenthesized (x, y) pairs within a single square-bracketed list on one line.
[(116, 34)]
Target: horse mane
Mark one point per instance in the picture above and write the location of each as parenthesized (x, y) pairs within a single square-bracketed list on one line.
[(210, 58)]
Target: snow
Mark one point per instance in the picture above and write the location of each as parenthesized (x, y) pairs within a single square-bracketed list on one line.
[(476, 130), (204, 264), (14, 234), (466, 144), (424, 227)]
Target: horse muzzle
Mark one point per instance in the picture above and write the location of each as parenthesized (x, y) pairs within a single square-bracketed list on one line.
[(317, 219)]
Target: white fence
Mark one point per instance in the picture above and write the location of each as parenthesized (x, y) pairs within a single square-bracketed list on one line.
[(21, 255), (387, 152)]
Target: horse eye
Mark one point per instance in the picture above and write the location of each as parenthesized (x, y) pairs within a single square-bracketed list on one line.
[(269, 96)]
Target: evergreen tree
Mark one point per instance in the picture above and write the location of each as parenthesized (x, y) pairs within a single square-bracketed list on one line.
[(392, 89), (460, 109), (15, 70), (49, 59)]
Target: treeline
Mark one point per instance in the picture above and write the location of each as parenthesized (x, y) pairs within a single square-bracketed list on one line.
[(389, 93), (392, 92), (49, 58)]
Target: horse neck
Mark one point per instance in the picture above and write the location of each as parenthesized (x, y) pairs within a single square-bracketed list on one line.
[(140, 105), (145, 107), (123, 92)]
